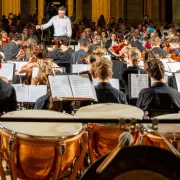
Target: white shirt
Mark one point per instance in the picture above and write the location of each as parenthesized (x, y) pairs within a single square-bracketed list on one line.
[(62, 26)]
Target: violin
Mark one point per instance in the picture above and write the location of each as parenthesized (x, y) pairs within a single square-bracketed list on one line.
[(5, 41), (175, 57), (118, 48)]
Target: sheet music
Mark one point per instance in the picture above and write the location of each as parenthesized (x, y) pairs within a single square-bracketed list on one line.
[(177, 77), (108, 57), (175, 66), (81, 86), (7, 71), (36, 92), (60, 86), (138, 82), (114, 83), (35, 71), (78, 68), (141, 64), (165, 63), (22, 92)]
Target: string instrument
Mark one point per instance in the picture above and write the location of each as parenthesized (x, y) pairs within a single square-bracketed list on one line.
[(118, 48), (175, 57), (5, 41)]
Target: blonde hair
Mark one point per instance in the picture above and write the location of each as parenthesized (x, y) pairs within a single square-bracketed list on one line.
[(155, 41), (31, 45), (103, 68), (134, 56)]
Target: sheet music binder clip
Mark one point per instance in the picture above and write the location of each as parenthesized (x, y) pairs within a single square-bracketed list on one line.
[(155, 124)]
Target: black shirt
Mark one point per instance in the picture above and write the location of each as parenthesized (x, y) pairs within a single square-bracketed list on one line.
[(159, 97), (107, 94), (8, 100), (176, 51)]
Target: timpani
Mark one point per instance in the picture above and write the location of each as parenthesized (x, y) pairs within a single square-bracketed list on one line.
[(38, 150), (104, 138)]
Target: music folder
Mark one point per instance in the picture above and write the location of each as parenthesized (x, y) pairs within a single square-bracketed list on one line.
[(72, 87), (29, 93), (8, 71), (137, 82), (78, 68)]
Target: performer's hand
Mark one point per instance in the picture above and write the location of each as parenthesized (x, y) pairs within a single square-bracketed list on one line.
[(38, 26)]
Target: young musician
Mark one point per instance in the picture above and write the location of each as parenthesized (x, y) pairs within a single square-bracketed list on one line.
[(8, 100), (160, 97), (96, 43), (79, 56), (12, 49), (175, 46), (105, 92)]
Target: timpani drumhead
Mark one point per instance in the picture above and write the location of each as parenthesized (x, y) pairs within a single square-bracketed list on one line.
[(138, 163), (109, 110), (167, 128), (41, 129)]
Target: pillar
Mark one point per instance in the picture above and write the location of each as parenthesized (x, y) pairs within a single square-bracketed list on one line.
[(163, 9), (70, 6), (78, 10), (107, 10), (40, 10), (155, 16), (149, 8), (9, 6), (118, 10), (176, 12), (32, 6)]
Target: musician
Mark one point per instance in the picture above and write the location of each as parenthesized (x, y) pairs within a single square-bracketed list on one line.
[(96, 43), (8, 100), (12, 49), (160, 97), (79, 56), (175, 46), (61, 23), (113, 41), (155, 44), (104, 91), (4, 39)]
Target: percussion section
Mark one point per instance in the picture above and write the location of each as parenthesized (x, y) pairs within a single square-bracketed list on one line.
[(42, 150), (103, 138)]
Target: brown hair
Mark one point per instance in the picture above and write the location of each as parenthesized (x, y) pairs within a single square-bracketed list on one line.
[(65, 40), (62, 8), (155, 68), (155, 41), (134, 56), (103, 68), (31, 46)]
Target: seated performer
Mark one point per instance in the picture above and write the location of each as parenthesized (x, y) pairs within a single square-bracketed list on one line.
[(8, 100), (79, 56), (175, 47), (105, 92), (12, 49), (96, 43), (155, 44), (160, 98)]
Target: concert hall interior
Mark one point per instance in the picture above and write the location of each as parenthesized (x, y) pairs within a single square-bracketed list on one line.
[(89, 89)]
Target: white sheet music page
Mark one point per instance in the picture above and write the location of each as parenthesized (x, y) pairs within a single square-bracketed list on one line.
[(36, 92), (35, 71), (177, 77), (77, 68), (21, 64), (138, 82), (81, 86), (22, 92), (174, 66), (61, 69), (60, 87), (7, 71)]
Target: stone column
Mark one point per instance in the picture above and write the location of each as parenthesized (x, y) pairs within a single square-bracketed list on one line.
[(40, 10), (70, 5), (0, 8), (176, 11), (155, 16), (78, 10)]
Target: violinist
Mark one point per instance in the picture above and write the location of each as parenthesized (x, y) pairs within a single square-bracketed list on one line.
[(113, 41), (155, 44), (175, 47), (79, 56), (96, 43), (4, 39), (12, 49)]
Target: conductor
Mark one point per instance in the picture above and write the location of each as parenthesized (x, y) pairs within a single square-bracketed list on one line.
[(61, 23)]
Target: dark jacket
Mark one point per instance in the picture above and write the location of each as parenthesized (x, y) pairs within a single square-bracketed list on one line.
[(159, 97), (77, 57), (11, 50), (61, 57), (8, 100), (160, 52), (92, 47), (107, 94)]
